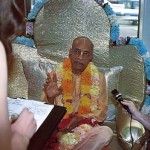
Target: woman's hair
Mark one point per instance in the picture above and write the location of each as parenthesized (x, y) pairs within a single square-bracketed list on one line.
[(11, 22)]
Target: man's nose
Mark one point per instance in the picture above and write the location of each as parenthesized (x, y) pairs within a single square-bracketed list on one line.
[(81, 55)]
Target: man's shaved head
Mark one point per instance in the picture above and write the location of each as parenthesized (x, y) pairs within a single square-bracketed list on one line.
[(84, 39)]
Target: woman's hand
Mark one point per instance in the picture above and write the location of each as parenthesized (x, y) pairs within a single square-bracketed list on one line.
[(50, 87), (25, 125), (22, 130), (134, 111)]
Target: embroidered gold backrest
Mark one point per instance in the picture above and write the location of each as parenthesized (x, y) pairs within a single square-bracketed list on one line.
[(59, 22), (132, 78)]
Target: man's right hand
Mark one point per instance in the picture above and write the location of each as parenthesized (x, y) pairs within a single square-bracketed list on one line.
[(50, 87)]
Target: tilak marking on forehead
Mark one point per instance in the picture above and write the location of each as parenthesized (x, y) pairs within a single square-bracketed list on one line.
[(84, 40)]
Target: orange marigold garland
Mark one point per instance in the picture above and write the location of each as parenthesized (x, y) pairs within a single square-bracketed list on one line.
[(88, 88)]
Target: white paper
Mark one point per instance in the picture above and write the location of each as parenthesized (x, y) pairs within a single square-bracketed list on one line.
[(40, 109)]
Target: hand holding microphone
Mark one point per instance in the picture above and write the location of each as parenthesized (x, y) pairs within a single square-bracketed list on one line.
[(119, 98)]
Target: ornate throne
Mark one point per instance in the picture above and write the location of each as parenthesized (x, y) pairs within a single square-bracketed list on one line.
[(57, 24)]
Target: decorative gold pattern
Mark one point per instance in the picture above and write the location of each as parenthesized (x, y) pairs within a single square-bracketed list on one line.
[(132, 77), (112, 76), (59, 22), (17, 83)]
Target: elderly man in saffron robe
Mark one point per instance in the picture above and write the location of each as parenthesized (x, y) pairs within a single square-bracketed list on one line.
[(78, 85)]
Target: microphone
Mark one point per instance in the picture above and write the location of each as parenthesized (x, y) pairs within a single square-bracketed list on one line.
[(119, 98)]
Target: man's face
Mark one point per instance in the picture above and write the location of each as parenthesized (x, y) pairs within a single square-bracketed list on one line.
[(80, 55)]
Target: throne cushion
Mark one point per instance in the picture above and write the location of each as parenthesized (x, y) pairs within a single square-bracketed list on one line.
[(35, 72)]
